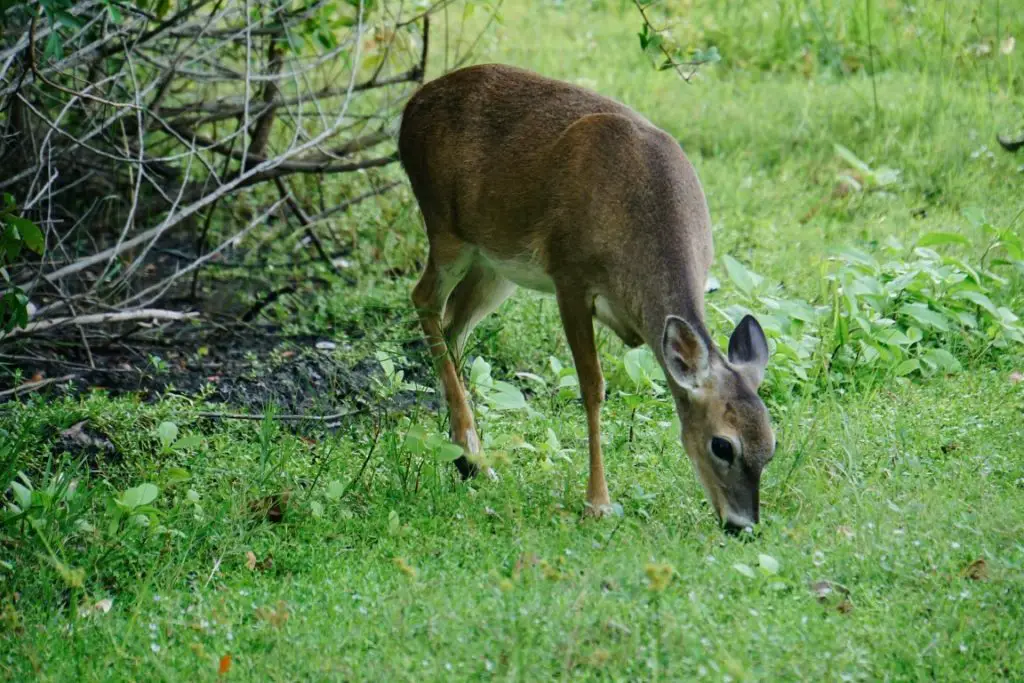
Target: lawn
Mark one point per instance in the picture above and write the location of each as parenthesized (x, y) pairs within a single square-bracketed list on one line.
[(892, 536)]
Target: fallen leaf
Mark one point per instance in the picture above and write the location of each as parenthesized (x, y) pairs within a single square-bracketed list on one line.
[(826, 591), (550, 572), (659, 576), (250, 560), (821, 589), (78, 436), (524, 560), (276, 617), (271, 507), (225, 665), (104, 605), (616, 628), (599, 657), (405, 567), (846, 531), (976, 571)]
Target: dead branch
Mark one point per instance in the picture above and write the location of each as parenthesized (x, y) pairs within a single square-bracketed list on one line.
[(125, 140), (138, 315), (35, 386)]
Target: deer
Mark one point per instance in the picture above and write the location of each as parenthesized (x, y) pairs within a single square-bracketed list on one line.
[(527, 181)]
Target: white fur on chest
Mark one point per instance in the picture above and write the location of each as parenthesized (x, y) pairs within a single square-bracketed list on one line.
[(523, 271)]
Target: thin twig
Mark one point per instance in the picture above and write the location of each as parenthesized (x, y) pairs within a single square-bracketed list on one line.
[(283, 418), (56, 86), (35, 386)]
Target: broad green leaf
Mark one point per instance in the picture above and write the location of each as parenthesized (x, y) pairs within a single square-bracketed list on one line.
[(335, 490), (176, 475), (386, 363), (30, 234), (506, 396), (449, 452), (943, 360), (533, 378), (167, 432), (979, 299), (480, 372), (188, 442), (768, 564), (892, 337), (968, 320), (932, 239), (745, 569), (68, 19), (415, 439), (632, 365), (22, 495), (924, 315), (743, 278), (316, 508), (851, 158), (974, 216), (854, 255), (140, 495), (907, 367)]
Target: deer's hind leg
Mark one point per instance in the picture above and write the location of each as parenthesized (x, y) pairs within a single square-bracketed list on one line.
[(448, 262), (479, 293)]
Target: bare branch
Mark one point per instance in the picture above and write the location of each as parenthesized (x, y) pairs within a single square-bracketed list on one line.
[(136, 315)]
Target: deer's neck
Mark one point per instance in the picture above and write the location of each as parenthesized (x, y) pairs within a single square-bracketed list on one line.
[(685, 300)]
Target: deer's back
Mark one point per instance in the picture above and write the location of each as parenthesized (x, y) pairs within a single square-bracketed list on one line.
[(518, 162)]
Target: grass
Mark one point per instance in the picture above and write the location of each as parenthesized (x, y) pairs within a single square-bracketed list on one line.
[(891, 547)]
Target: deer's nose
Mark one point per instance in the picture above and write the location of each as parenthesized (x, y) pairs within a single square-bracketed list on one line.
[(735, 523)]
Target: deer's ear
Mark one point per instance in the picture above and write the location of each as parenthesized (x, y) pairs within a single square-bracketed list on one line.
[(686, 354), (748, 349)]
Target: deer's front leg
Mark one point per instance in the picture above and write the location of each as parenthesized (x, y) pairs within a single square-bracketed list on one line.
[(579, 330)]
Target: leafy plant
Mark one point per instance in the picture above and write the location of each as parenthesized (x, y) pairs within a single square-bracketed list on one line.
[(170, 442), (16, 234), (898, 313), (135, 504), (497, 394)]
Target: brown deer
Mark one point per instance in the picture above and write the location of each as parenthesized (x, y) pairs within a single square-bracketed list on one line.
[(524, 180)]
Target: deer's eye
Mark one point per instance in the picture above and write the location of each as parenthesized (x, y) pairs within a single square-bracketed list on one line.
[(722, 449)]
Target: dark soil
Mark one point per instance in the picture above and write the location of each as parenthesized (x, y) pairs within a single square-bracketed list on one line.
[(246, 367)]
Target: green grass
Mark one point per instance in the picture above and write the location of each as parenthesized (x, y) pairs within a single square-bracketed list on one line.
[(886, 488)]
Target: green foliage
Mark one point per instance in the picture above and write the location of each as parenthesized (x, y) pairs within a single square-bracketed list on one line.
[(834, 38), (170, 442), (898, 313), (665, 52), (865, 564), (16, 234), (496, 394)]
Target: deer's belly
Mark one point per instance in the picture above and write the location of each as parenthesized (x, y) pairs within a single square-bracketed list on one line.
[(522, 271)]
